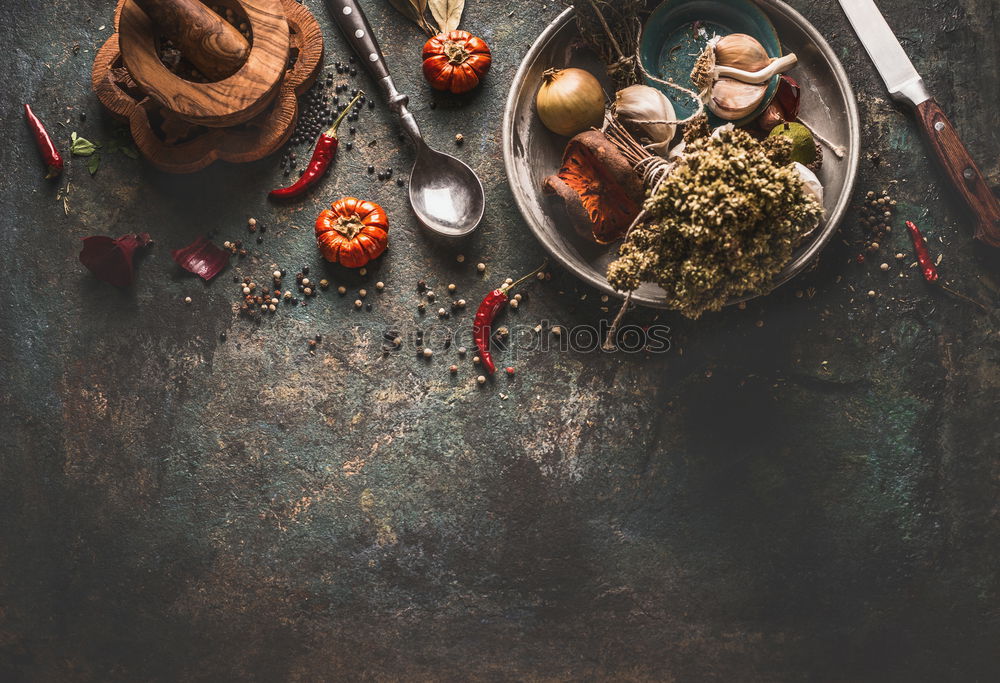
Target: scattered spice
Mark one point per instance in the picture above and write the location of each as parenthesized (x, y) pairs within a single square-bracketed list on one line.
[(877, 213), (110, 259), (319, 163), (50, 155)]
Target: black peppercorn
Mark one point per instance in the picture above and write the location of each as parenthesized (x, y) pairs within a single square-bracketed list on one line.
[(371, 169)]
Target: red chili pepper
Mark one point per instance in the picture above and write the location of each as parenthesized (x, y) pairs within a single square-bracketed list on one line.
[(929, 270), (927, 266), (482, 326), (322, 157), (50, 154)]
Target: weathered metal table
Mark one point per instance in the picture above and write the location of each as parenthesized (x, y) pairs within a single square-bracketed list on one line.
[(803, 489)]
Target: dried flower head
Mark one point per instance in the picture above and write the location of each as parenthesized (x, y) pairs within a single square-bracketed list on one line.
[(723, 223)]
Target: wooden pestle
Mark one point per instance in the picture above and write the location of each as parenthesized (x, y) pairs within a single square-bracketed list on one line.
[(215, 47)]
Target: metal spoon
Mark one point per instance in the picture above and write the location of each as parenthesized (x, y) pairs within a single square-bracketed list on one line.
[(446, 195)]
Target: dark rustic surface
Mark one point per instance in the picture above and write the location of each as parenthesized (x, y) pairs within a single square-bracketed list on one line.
[(813, 498)]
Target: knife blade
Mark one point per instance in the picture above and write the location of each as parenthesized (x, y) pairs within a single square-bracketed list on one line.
[(906, 85)]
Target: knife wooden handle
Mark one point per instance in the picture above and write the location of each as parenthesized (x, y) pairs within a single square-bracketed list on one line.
[(965, 176)]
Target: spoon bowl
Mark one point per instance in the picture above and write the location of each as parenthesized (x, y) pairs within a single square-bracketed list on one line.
[(445, 193)]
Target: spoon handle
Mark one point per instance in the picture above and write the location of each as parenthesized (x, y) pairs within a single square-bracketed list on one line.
[(353, 23)]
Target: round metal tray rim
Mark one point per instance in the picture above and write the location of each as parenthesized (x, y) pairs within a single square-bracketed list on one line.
[(802, 260)]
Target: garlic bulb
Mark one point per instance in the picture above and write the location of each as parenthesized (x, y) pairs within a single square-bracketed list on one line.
[(570, 101), (648, 115), (733, 100)]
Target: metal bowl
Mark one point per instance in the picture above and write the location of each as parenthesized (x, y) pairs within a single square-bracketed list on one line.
[(531, 152)]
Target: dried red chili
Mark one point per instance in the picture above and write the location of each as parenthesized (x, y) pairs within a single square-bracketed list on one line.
[(927, 266), (929, 270), (482, 326), (322, 157), (53, 160)]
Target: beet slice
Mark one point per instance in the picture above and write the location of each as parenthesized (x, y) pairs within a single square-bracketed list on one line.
[(202, 258), (110, 260)]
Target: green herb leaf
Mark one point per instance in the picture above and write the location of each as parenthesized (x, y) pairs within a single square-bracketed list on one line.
[(82, 147), (129, 151), (93, 163)]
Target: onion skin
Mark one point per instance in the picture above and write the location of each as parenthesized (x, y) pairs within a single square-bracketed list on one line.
[(570, 101)]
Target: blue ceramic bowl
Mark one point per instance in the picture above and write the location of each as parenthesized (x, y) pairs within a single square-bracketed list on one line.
[(676, 33)]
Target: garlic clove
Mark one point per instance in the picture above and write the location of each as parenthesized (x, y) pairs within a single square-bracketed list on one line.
[(732, 100), (740, 51), (810, 182)]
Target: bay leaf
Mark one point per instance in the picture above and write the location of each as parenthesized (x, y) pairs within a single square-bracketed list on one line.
[(412, 10), (447, 13)]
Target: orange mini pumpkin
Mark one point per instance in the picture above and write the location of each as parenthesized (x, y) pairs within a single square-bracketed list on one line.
[(352, 232), (456, 61)]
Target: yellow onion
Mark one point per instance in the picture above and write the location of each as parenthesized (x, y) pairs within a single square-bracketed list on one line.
[(570, 101)]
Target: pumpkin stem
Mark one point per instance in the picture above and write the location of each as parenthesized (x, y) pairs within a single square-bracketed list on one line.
[(455, 52), (349, 226)]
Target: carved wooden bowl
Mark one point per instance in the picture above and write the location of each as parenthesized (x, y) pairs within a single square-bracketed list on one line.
[(176, 123)]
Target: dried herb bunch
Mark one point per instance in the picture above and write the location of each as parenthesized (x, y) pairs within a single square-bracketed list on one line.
[(723, 224), (611, 28)]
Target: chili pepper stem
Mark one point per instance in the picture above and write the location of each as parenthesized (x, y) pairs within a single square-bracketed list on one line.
[(964, 297), (332, 130), (515, 283)]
